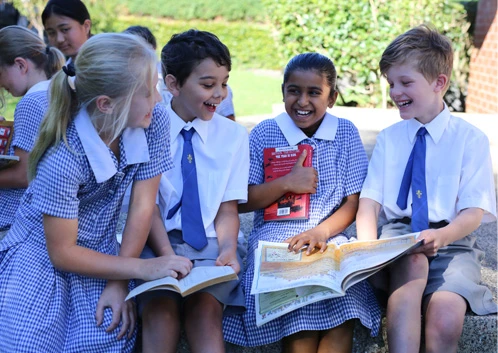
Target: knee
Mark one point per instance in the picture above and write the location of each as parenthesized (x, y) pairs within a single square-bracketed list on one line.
[(203, 306), (443, 330), (159, 310), (414, 266)]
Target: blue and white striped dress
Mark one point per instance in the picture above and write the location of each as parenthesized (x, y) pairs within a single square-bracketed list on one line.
[(341, 162), (43, 309), (27, 119)]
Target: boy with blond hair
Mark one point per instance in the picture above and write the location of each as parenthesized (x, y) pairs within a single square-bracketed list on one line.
[(430, 173)]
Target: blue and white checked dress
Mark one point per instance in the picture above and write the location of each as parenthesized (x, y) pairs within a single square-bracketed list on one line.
[(341, 162), (27, 119), (43, 309)]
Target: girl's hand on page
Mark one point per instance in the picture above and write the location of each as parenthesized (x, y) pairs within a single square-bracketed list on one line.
[(168, 265), (302, 180), (123, 311), (2, 118), (311, 238)]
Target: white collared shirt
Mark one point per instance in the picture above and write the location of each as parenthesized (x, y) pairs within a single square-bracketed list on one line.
[(459, 173), (221, 149), (97, 152)]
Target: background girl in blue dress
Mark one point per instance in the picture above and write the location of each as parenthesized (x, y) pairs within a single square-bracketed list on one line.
[(26, 65), (339, 167), (59, 269)]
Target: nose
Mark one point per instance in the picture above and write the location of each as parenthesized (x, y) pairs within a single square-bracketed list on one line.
[(303, 100), (60, 37), (394, 91), (219, 92)]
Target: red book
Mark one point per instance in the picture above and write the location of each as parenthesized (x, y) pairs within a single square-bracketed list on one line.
[(278, 161)]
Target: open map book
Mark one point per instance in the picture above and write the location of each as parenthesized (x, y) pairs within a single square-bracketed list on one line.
[(284, 281)]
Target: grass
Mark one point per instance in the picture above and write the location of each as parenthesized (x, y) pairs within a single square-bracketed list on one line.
[(10, 105), (254, 91)]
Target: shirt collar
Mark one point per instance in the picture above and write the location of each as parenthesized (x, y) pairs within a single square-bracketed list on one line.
[(435, 128), (177, 124), (40, 86), (293, 134), (98, 154)]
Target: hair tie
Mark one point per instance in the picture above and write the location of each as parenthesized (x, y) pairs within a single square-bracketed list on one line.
[(47, 50), (69, 70), (71, 75)]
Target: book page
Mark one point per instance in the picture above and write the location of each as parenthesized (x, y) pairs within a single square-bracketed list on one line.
[(271, 305), (205, 276), (198, 278), (284, 281), (276, 268), (168, 283)]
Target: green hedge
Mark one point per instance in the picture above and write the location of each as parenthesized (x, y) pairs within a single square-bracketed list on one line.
[(355, 33), (250, 44), (229, 10)]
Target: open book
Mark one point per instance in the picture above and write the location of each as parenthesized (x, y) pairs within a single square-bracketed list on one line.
[(284, 281), (6, 132), (199, 278)]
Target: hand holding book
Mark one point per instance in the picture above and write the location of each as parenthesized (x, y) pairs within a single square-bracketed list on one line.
[(293, 165)]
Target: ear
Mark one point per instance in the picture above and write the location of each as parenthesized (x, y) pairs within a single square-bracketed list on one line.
[(172, 85), (104, 104), (332, 99), (21, 64), (87, 25), (440, 83), (283, 92)]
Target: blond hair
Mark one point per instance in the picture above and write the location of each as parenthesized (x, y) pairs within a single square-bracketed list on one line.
[(110, 64), (19, 42), (429, 50)]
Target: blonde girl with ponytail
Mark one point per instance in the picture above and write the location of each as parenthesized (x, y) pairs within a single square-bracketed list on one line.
[(64, 276), (26, 66)]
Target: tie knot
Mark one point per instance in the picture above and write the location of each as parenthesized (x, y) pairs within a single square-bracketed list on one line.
[(422, 131), (187, 134)]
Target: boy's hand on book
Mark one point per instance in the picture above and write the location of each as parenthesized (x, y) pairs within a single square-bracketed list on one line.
[(163, 266), (302, 180), (311, 238), (228, 258), (432, 242), (113, 297)]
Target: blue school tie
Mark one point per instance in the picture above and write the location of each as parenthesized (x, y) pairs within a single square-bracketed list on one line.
[(193, 230), (415, 175)]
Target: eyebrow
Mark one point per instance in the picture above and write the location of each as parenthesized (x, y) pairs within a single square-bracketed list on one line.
[(307, 87), (211, 77)]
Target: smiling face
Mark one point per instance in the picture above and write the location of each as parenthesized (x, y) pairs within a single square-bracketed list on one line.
[(66, 34), (142, 105), (307, 95), (201, 93), (414, 96)]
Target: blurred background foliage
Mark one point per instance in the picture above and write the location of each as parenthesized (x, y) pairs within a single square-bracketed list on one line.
[(263, 35)]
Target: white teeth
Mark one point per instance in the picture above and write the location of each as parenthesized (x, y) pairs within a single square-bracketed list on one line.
[(212, 104), (404, 103), (303, 112)]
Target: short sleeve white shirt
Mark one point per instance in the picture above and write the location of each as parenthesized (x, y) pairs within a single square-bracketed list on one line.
[(221, 149), (459, 172)]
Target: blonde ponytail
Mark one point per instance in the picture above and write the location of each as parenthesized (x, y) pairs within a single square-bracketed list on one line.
[(20, 42), (115, 65)]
